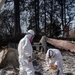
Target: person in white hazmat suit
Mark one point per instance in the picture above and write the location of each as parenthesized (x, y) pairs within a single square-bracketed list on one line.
[(54, 60), (25, 54)]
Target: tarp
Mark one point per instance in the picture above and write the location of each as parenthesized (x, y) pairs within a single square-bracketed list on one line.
[(1, 3)]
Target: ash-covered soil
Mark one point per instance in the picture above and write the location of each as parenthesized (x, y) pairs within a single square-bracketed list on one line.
[(41, 67), (68, 63)]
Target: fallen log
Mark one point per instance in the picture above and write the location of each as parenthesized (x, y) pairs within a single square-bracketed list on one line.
[(67, 45), (61, 44)]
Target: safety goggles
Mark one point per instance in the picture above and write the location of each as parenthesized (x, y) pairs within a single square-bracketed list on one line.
[(31, 34)]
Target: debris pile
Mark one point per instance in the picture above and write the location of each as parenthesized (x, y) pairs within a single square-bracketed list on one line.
[(9, 62), (68, 63)]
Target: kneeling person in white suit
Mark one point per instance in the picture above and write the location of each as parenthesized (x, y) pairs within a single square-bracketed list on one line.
[(54, 60)]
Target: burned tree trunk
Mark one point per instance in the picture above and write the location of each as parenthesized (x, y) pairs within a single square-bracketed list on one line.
[(61, 44)]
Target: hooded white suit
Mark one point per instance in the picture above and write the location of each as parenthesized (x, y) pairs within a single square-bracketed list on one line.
[(25, 51), (56, 59)]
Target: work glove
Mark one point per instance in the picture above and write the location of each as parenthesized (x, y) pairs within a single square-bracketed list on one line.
[(53, 67), (29, 58)]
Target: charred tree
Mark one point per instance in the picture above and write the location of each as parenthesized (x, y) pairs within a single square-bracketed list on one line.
[(17, 17), (37, 15), (45, 15)]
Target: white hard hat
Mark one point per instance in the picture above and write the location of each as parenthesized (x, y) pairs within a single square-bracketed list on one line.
[(31, 32)]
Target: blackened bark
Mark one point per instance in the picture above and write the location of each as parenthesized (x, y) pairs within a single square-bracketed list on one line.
[(17, 17), (37, 15)]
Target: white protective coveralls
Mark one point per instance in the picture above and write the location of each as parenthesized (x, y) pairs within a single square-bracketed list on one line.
[(25, 51), (56, 59)]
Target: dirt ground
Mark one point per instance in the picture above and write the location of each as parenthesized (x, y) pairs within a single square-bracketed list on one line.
[(68, 63), (41, 66)]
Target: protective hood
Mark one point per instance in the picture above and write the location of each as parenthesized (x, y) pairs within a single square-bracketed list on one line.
[(30, 34), (51, 53)]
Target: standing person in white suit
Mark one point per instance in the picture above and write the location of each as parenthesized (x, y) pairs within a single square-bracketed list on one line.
[(25, 54), (54, 60)]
